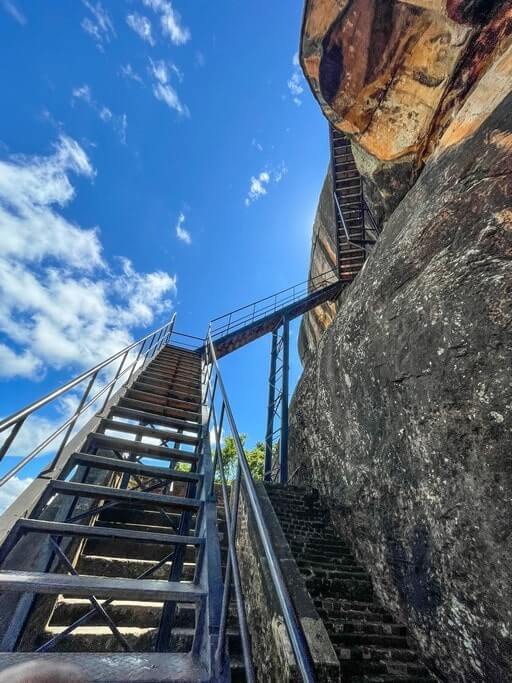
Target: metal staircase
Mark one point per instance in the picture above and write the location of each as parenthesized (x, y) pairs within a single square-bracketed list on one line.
[(111, 559), (356, 229)]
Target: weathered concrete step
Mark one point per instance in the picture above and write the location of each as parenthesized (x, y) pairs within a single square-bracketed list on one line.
[(401, 658), (394, 670), (391, 678), (350, 626), (126, 613), (328, 571), (131, 515), (369, 639), (157, 529), (135, 614), (344, 564), (129, 569), (134, 551), (101, 639), (350, 589), (333, 608), (316, 553)]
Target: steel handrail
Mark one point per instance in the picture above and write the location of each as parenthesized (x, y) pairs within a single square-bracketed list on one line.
[(225, 323), (295, 632), (32, 407), (164, 332)]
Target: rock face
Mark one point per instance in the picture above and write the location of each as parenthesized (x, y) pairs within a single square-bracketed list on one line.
[(403, 413), (323, 260), (392, 73)]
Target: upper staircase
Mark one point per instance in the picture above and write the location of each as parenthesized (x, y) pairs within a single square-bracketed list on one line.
[(356, 229)]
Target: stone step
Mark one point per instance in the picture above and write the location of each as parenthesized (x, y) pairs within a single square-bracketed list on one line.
[(391, 678), (350, 625), (338, 563), (401, 658), (396, 668), (327, 571), (369, 639), (335, 608), (351, 589)]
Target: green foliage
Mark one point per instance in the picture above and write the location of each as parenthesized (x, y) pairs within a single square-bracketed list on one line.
[(255, 457)]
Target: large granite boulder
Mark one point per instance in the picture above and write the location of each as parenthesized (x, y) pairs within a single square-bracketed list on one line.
[(404, 412), (391, 73)]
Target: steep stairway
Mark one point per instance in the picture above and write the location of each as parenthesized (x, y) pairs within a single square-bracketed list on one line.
[(371, 646), (130, 578)]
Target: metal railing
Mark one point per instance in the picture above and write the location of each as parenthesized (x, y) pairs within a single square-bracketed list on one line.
[(230, 322), (295, 633), (141, 352)]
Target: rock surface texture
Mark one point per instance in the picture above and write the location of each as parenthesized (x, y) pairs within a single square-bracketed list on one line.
[(403, 413), (370, 645)]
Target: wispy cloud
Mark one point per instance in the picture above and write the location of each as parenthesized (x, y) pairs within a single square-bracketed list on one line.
[(260, 183), (142, 27), (163, 90), (11, 8), (119, 122), (170, 21), (61, 303), (295, 83), (98, 24), (200, 59), (257, 187), (256, 144), (128, 72), (182, 233)]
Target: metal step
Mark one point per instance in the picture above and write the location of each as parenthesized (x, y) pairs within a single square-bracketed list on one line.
[(150, 397), (110, 533), (159, 409), (120, 667), (99, 586), (134, 468), (140, 448), (71, 488), (152, 418), (141, 430)]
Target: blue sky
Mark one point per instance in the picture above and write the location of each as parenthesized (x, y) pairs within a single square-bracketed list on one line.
[(129, 122)]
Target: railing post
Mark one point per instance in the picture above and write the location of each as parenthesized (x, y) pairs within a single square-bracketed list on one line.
[(267, 471), (118, 372), (283, 469), (76, 415)]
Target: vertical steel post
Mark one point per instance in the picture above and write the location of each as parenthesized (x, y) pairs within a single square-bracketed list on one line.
[(267, 472), (283, 456)]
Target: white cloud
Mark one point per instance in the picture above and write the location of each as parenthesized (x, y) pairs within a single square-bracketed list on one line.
[(11, 490), (61, 304), (259, 184), (100, 26), (257, 187), (295, 82), (11, 8), (163, 90), (257, 145), (170, 21), (182, 233), (142, 27), (18, 365), (128, 72), (119, 122)]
